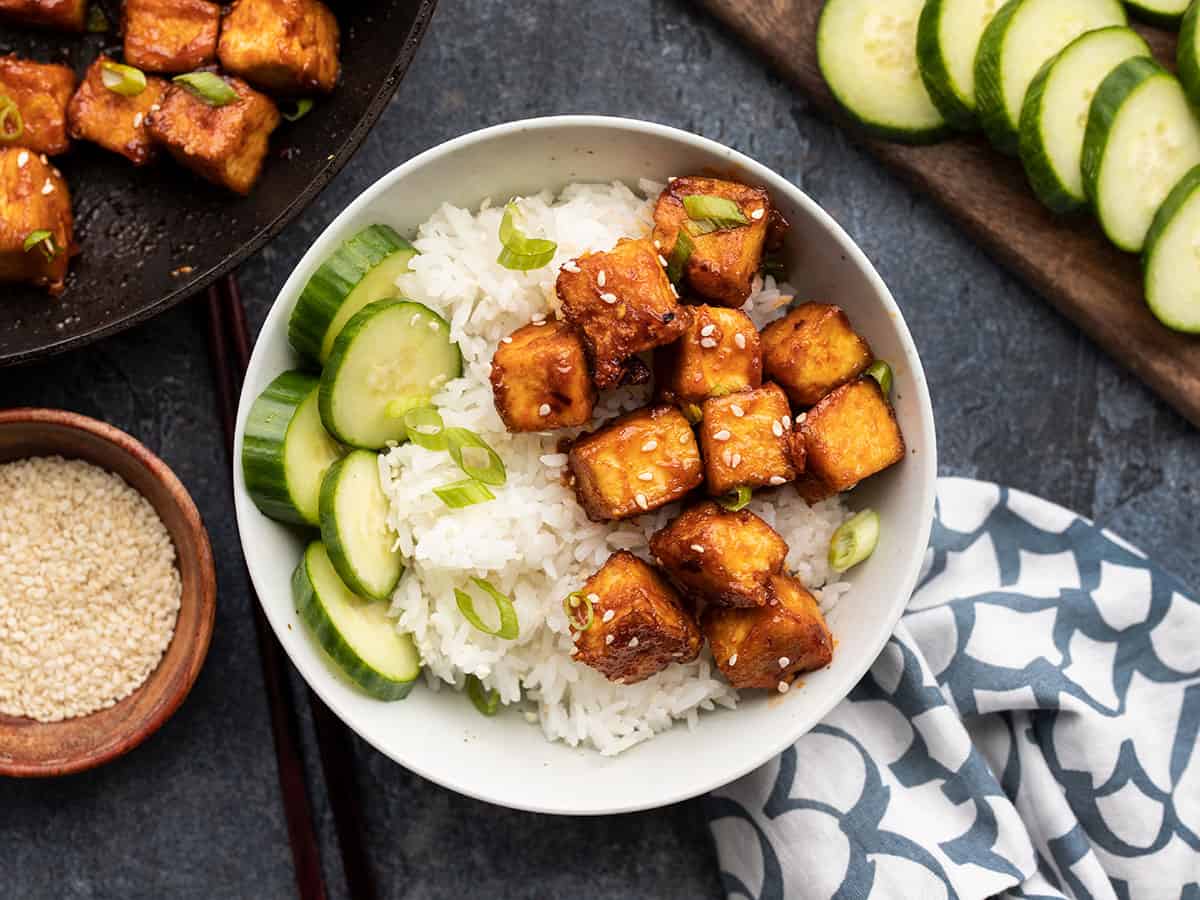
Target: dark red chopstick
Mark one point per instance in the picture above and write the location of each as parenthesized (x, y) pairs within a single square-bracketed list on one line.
[(229, 346)]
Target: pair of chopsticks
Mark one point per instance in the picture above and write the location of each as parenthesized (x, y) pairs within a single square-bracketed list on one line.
[(229, 352)]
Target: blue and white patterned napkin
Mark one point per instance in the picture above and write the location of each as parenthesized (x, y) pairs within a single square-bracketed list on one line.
[(1029, 731)]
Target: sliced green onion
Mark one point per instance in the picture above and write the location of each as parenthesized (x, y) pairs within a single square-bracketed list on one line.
[(520, 252), (467, 492), (775, 266), (12, 126), (44, 239), (881, 372), (302, 109), (698, 227), (680, 254), (425, 428), (487, 702), (509, 627), (574, 602), (720, 211), (735, 499), (474, 455), (693, 413), (97, 21), (207, 86), (854, 540), (122, 79)]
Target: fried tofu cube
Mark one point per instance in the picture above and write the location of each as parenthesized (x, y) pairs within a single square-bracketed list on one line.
[(171, 35), (638, 462), (113, 121), (717, 355), (540, 378), (66, 15), (812, 350), (768, 646), (41, 92), (851, 435), (747, 440), (283, 46), (33, 198), (225, 144), (648, 628), (623, 303), (725, 557), (723, 262)]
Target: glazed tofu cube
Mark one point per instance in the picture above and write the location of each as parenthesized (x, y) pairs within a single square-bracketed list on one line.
[(171, 35), (639, 625), (813, 350), (66, 15), (113, 121), (225, 144), (725, 557), (851, 435), (768, 646), (723, 263), (639, 462), (623, 303), (33, 198), (41, 92), (717, 355), (283, 46), (747, 440), (540, 378)]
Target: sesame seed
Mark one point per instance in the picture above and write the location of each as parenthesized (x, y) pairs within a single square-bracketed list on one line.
[(733, 660), (137, 120), (776, 429), (707, 330), (563, 370), (538, 322), (608, 615), (736, 461), (633, 642), (601, 277), (657, 244), (787, 421), (783, 687), (800, 418), (674, 292), (758, 214), (722, 435), (609, 298), (570, 266), (593, 598), (544, 409), (649, 446), (640, 499), (683, 438), (45, 161), (538, 318), (48, 187), (777, 480), (727, 457), (783, 662), (618, 681), (672, 179), (645, 476), (697, 548), (736, 410), (740, 340), (608, 638), (22, 158), (662, 261), (707, 343), (503, 340)]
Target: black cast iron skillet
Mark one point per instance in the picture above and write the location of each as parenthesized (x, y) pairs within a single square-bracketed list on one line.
[(153, 236)]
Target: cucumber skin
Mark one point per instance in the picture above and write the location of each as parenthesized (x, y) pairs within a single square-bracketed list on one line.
[(1153, 17), (333, 281), (888, 133), (308, 605), (1188, 54), (1112, 93), (267, 424), (1179, 196), (989, 83), (332, 537), (936, 74)]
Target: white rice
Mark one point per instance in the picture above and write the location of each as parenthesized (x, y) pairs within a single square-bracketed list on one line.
[(533, 542)]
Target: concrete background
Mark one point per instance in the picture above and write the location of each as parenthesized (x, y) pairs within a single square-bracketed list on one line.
[(1020, 397)]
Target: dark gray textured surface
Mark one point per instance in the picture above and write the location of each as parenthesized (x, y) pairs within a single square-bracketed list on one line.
[(1020, 398)]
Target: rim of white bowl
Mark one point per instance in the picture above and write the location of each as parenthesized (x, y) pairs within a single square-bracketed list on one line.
[(244, 506)]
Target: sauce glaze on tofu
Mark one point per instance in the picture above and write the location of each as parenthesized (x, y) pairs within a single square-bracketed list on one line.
[(718, 354), (288, 47), (812, 350), (114, 121), (33, 197), (540, 378), (170, 35), (41, 92), (747, 440), (850, 435), (64, 15)]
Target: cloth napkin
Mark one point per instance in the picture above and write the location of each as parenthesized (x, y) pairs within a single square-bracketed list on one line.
[(1029, 731)]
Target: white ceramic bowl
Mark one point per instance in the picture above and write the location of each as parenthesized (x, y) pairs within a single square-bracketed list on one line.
[(505, 760)]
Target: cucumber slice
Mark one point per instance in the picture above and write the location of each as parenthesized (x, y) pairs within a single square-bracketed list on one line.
[(1016, 44), (286, 451), (354, 526), (947, 40), (1163, 13), (1054, 117), (1141, 139), (392, 355), (1172, 258), (362, 270), (1188, 53), (867, 51), (357, 634)]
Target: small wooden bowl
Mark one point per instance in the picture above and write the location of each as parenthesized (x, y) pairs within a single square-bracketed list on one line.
[(36, 749)]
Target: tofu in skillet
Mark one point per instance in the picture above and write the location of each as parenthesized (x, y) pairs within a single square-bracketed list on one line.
[(41, 92), (33, 200), (171, 35), (114, 121), (286, 47), (64, 15)]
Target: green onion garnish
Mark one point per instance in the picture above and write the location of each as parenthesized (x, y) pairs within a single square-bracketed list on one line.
[(881, 372), (575, 602), (12, 126), (487, 702), (681, 253), (44, 239), (509, 627), (97, 21), (467, 492), (693, 413), (775, 266), (302, 109), (854, 540), (735, 499), (520, 252), (207, 86), (122, 79), (425, 428), (475, 456), (719, 212)]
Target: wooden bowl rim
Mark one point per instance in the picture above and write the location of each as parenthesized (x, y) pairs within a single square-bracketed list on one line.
[(205, 594)]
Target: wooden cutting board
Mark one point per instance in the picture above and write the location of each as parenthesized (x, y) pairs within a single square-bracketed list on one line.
[(1067, 260)]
